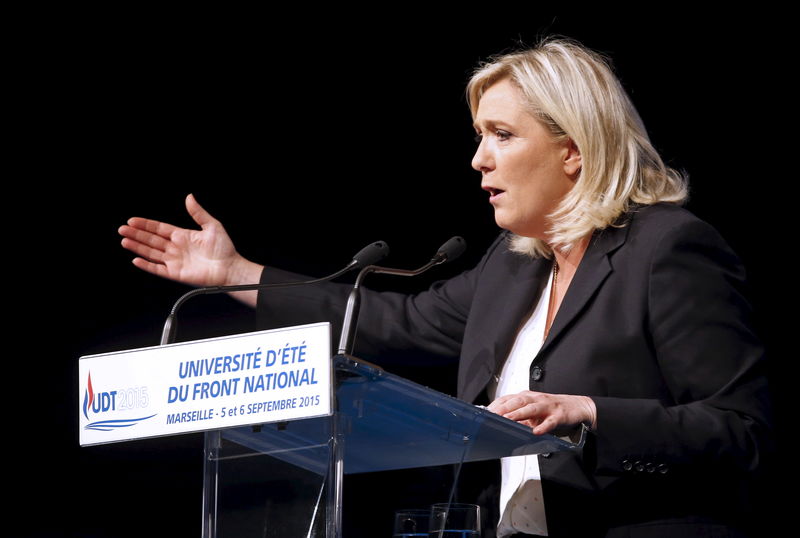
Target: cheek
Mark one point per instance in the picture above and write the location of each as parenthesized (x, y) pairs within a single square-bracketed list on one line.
[(521, 167), (551, 178)]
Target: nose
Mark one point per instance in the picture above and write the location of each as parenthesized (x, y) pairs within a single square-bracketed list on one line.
[(483, 161)]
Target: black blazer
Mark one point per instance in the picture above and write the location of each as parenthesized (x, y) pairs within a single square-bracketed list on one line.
[(654, 327)]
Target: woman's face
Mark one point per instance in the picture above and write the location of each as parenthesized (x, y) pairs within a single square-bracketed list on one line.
[(524, 170)]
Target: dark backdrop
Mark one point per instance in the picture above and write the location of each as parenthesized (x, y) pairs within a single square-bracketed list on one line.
[(309, 139)]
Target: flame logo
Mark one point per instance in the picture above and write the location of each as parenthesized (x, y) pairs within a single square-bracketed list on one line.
[(88, 397)]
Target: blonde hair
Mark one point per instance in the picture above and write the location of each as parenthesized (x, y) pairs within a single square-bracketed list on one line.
[(574, 93)]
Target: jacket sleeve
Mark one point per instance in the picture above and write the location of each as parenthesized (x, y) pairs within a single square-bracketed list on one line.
[(711, 362), (391, 326)]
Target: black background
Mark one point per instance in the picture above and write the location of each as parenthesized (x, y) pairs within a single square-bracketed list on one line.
[(309, 136)]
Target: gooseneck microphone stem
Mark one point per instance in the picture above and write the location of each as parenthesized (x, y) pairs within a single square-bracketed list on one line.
[(350, 322), (168, 335), (368, 255), (451, 250)]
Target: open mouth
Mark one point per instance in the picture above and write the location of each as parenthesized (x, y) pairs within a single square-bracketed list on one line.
[(493, 192)]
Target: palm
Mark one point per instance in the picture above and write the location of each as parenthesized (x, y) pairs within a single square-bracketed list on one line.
[(197, 257)]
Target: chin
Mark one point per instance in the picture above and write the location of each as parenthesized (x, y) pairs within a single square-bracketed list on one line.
[(504, 223), (516, 228), (522, 232)]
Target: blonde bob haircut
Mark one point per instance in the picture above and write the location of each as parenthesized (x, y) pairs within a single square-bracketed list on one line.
[(574, 93)]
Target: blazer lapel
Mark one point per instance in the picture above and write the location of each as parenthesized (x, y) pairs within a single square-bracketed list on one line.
[(521, 296), (592, 271), (515, 284)]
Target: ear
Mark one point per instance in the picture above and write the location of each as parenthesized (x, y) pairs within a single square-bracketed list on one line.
[(572, 159)]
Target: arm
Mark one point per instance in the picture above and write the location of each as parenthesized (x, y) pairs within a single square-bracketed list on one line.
[(709, 357), (390, 324), (426, 325), (689, 386), (204, 257)]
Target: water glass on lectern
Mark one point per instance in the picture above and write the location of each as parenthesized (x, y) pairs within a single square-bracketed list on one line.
[(455, 520), (409, 523)]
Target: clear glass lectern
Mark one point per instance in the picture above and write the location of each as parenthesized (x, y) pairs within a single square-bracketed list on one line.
[(285, 479)]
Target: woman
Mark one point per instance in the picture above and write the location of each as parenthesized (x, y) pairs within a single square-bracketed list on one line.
[(604, 305)]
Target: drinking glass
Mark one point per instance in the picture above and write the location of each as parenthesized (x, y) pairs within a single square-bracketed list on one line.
[(456, 520), (413, 522)]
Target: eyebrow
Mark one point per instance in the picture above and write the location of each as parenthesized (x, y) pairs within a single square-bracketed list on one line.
[(492, 123)]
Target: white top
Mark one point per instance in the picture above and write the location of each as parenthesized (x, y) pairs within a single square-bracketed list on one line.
[(521, 500)]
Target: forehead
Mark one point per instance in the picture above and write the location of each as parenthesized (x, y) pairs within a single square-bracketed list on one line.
[(502, 101)]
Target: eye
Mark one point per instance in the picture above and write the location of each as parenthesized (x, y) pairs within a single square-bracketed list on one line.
[(499, 134), (502, 135)]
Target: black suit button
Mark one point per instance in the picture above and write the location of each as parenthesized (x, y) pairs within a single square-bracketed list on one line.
[(662, 468), (638, 466), (650, 467), (536, 373), (627, 465)]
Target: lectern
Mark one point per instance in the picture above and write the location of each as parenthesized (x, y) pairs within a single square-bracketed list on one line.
[(285, 423), (380, 422)]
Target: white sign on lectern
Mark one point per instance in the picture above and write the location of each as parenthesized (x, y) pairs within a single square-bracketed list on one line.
[(253, 378)]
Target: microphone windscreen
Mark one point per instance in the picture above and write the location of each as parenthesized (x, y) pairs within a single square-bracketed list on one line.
[(452, 249), (371, 254)]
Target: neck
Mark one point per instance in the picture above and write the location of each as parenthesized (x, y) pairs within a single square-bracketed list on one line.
[(568, 261), (564, 268)]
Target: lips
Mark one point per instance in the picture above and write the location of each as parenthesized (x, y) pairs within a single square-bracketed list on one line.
[(494, 192)]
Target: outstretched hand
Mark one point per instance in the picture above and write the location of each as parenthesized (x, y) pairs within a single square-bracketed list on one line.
[(545, 413), (204, 257)]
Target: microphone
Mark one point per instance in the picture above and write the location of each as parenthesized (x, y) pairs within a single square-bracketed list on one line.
[(449, 251), (452, 249), (372, 253)]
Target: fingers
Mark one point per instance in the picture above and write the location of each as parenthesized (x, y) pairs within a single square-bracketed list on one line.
[(165, 230), (198, 214), (544, 425), (537, 413), (147, 238), (510, 402), (143, 243), (158, 269), (545, 412), (143, 250), (161, 229)]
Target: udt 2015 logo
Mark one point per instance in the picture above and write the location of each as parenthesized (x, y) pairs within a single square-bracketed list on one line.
[(98, 405)]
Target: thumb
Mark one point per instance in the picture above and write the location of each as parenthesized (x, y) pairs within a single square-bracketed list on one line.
[(198, 214)]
